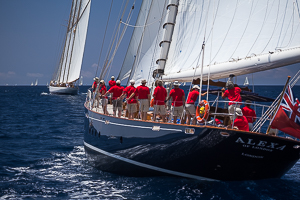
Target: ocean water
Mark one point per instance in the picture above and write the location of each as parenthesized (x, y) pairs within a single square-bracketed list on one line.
[(42, 157)]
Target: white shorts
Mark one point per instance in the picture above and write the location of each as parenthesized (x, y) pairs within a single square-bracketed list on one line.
[(104, 102), (161, 109), (177, 111), (144, 105), (190, 109), (131, 107)]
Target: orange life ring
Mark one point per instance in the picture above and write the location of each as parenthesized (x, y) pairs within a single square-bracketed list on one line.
[(206, 111)]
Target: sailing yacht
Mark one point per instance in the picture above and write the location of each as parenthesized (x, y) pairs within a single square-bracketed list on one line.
[(68, 71), (200, 41)]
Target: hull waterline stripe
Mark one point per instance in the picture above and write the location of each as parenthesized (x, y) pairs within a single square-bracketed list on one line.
[(113, 123), (147, 166)]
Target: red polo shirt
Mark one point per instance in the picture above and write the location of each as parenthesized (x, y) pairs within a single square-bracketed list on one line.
[(103, 90), (177, 95), (233, 95), (249, 113), (143, 91), (117, 90), (193, 95), (242, 123), (160, 94), (111, 83), (128, 91)]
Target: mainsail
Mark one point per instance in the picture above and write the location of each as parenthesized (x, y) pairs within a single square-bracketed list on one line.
[(239, 37), (71, 59)]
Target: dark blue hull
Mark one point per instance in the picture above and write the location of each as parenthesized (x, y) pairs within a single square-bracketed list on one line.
[(135, 148)]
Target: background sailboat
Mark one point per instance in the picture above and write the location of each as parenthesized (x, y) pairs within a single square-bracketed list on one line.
[(69, 68)]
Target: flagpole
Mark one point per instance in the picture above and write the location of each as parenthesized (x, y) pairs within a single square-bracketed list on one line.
[(287, 81)]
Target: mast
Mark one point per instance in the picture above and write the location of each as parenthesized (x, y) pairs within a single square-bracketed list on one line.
[(167, 38)]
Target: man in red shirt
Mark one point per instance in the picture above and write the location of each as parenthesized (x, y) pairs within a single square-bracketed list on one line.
[(240, 121), (116, 91), (94, 86), (178, 101), (233, 94), (159, 95), (131, 100), (144, 98), (249, 113), (112, 82), (190, 107), (102, 91)]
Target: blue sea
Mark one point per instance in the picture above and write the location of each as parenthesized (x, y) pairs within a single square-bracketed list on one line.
[(42, 157)]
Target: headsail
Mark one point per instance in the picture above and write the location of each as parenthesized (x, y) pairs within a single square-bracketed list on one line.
[(141, 54), (71, 59)]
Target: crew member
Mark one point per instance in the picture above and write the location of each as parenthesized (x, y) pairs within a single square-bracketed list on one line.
[(159, 96), (240, 121), (178, 101), (249, 113), (144, 98), (131, 100), (190, 107), (102, 91), (233, 94), (116, 91), (112, 82)]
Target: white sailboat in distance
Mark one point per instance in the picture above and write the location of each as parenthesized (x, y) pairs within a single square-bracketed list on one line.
[(68, 71)]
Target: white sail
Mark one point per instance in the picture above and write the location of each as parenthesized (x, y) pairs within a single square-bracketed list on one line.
[(240, 37), (71, 60), (141, 54)]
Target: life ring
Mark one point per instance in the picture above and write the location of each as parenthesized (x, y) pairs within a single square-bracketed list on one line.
[(202, 111)]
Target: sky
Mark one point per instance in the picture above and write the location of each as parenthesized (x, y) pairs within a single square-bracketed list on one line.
[(32, 33)]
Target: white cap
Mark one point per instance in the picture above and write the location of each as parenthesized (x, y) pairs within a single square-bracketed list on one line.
[(112, 77), (132, 81), (96, 79), (118, 82), (102, 81), (144, 81), (176, 83), (238, 112), (196, 87)]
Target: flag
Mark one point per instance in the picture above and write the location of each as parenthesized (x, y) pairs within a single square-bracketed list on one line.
[(287, 117)]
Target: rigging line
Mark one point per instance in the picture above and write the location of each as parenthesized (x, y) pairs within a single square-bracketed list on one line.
[(104, 37), (262, 26), (274, 26), (138, 53), (117, 27), (282, 22), (127, 24), (227, 30), (298, 8), (113, 41), (250, 14), (286, 32), (108, 66)]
